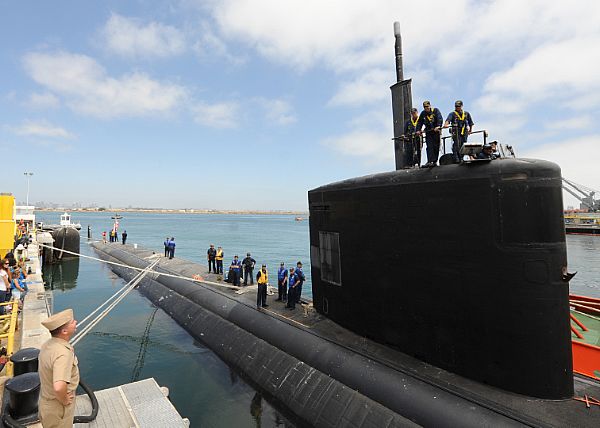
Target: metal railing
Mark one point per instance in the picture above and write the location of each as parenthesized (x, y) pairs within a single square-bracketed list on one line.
[(9, 335)]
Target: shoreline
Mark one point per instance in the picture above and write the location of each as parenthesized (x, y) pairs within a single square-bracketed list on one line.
[(174, 211)]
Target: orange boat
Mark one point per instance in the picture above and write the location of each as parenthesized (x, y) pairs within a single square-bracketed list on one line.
[(585, 334)]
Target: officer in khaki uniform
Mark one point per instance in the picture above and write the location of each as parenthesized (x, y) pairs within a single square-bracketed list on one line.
[(59, 373)]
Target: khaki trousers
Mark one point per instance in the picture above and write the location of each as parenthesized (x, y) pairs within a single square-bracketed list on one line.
[(54, 415)]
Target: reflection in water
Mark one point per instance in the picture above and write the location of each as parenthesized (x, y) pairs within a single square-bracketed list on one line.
[(139, 363), (63, 275), (256, 408)]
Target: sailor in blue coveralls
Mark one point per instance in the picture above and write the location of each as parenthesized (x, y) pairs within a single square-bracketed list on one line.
[(236, 270), (462, 125), (432, 119), (282, 279), (300, 278)]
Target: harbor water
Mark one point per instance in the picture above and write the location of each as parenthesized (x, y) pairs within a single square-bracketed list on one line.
[(138, 341)]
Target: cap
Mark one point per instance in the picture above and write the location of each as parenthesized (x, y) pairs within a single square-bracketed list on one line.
[(248, 254), (426, 104), (458, 103), (487, 146), (59, 319), (282, 264), (414, 110), (264, 265)]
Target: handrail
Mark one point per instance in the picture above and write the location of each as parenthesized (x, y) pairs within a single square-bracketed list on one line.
[(10, 334)]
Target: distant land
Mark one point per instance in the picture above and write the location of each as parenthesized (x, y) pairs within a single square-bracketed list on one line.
[(173, 211)]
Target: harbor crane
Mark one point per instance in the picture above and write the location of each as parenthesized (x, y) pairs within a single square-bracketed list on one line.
[(583, 194)]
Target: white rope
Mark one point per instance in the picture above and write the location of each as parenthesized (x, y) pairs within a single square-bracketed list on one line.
[(170, 275), (106, 311), (81, 323)]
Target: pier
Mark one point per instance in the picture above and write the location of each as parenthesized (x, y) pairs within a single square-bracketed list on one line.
[(142, 404)]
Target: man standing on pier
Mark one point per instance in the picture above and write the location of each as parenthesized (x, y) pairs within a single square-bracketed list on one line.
[(262, 279), (211, 256), (59, 372), (248, 264), (124, 236), (219, 259)]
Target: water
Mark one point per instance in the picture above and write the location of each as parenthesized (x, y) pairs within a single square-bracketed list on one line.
[(202, 387)]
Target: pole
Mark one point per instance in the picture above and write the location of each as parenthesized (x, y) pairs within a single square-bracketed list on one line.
[(28, 176)]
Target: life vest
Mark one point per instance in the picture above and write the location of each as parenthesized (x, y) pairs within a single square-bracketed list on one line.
[(431, 116), (219, 255), (461, 119), (281, 273), (263, 278)]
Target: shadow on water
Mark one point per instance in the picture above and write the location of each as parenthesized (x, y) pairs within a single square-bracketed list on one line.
[(62, 276)]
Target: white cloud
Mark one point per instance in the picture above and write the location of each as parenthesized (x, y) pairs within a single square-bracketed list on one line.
[(219, 115), (577, 158), (41, 129), (210, 45), (574, 123), (88, 89), (369, 138), (130, 37), (278, 111), (368, 88), (43, 100)]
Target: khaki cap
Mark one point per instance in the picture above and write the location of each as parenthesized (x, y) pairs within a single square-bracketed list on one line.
[(59, 319)]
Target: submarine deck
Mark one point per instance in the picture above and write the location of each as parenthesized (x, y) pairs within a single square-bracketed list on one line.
[(527, 410)]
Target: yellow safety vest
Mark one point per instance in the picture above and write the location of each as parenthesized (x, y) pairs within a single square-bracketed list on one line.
[(219, 255), (462, 119), (263, 278), (414, 122)]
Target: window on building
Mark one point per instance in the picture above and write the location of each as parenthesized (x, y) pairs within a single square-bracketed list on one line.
[(329, 251)]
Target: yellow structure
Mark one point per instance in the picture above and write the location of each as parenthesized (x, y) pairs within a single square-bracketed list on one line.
[(7, 223)]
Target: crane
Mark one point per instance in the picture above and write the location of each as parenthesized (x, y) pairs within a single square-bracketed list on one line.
[(583, 194)]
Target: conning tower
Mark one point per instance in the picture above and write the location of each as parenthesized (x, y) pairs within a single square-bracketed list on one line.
[(461, 266)]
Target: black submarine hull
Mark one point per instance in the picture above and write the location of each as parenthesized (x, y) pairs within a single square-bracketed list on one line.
[(459, 266), (320, 381)]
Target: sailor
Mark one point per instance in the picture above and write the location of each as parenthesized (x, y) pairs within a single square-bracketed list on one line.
[(59, 372), (166, 244), (171, 247), (291, 301), (211, 255), (248, 264), (432, 119), (300, 278), (124, 236), (462, 126), (495, 153), (413, 141), (235, 269), (262, 279), (282, 280), (487, 152), (219, 260), (104, 237)]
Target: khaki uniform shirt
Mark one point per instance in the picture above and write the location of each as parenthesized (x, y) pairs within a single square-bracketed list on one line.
[(57, 362)]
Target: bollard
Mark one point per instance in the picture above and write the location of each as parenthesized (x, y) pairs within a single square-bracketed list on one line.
[(23, 396), (25, 361)]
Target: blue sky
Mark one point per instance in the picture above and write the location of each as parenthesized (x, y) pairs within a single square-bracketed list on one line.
[(236, 104)]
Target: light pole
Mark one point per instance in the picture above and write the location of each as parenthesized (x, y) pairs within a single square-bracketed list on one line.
[(28, 176)]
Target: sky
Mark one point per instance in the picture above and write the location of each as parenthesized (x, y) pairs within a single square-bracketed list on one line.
[(235, 104)]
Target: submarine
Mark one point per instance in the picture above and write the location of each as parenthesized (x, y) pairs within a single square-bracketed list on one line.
[(460, 316)]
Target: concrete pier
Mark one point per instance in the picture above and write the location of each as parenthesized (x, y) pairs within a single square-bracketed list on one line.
[(141, 404)]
